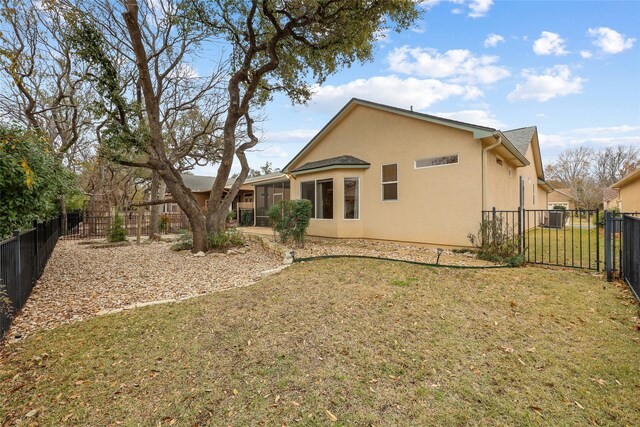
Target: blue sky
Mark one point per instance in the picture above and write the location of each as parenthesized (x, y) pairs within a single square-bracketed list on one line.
[(571, 68)]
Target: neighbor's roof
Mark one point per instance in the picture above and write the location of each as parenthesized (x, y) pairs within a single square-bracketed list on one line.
[(478, 131), (345, 161), (632, 176), (201, 183), (271, 177), (521, 138)]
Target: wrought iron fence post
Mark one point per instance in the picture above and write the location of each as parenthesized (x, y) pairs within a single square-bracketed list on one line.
[(16, 234), (607, 245), (597, 239), (519, 229)]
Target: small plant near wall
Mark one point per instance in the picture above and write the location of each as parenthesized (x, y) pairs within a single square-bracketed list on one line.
[(225, 239), (290, 219), (495, 242), (117, 232), (246, 218)]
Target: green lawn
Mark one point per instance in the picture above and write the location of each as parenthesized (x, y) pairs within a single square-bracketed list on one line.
[(353, 342)]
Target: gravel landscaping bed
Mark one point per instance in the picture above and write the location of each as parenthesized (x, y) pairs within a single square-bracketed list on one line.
[(395, 250), (80, 281)]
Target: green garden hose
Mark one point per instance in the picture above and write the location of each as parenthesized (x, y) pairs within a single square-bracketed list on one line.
[(426, 264)]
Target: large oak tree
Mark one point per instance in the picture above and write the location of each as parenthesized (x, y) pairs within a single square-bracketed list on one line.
[(265, 46)]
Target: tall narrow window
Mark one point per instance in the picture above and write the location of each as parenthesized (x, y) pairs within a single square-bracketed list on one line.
[(308, 192), (390, 182), (324, 199), (533, 191), (351, 198)]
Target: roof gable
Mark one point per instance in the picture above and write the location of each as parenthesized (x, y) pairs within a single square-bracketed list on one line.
[(478, 131)]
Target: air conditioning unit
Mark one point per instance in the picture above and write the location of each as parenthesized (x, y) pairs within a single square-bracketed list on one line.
[(555, 219)]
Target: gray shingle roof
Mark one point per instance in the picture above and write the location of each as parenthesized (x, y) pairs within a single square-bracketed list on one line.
[(520, 138), (200, 183), (345, 160)]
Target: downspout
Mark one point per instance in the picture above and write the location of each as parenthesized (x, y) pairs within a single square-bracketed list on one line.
[(484, 170)]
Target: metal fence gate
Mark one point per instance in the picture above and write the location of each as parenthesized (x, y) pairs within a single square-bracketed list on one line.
[(567, 238), (622, 248)]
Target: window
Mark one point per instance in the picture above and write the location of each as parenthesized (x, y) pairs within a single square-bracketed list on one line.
[(308, 192), (351, 198), (533, 191), (324, 199), (436, 161), (390, 182)]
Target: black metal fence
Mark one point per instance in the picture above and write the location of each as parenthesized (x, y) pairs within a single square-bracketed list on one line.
[(567, 238), (631, 255), (22, 261), (80, 225)]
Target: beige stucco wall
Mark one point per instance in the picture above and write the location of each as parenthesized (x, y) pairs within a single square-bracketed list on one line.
[(630, 196), (438, 205)]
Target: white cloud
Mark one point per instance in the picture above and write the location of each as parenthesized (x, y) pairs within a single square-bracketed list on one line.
[(595, 137), (607, 130), (492, 40), (270, 152), (476, 8), (458, 65), (610, 41), (478, 117), (586, 54), (479, 8), (392, 90), (554, 82), (549, 44), (290, 135)]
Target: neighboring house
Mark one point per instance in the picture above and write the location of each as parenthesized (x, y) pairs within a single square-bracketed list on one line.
[(381, 172), (200, 186), (629, 188), (561, 197), (610, 198)]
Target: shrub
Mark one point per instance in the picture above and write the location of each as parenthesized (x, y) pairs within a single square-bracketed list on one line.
[(231, 215), (224, 239), (117, 232), (246, 218), (600, 219), (165, 224), (290, 219), (185, 241), (6, 306), (494, 241)]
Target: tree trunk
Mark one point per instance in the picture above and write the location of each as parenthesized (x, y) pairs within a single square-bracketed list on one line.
[(155, 210)]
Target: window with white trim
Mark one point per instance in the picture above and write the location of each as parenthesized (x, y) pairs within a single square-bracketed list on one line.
[(351, 198), (324, 199), (390, 182), (308, 192)]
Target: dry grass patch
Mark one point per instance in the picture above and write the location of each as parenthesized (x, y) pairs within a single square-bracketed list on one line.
[(353, 342)]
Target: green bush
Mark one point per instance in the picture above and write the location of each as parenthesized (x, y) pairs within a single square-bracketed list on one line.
[(290, 219), (32, 180), (225, 239), (494, 241), (246, 218), (600, 219), (231, 216), (185, 241), (117, 232)]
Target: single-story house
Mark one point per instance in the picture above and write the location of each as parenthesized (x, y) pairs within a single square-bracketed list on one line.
[(610, 198), (629, 188), (381, 172), (561, 197), (201, 186)]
